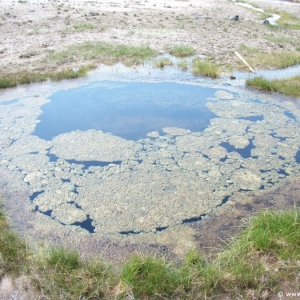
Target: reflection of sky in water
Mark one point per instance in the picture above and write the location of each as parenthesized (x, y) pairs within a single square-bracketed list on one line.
[(128, 110)]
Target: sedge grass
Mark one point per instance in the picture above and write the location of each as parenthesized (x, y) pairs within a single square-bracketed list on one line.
[(161, 63), (205, 68), (289, 86), (149, 277), (86, 56), (182, 51), (8, 80), (269, 60), (105, 53), (61, 274), (183, 65), (13, 250)]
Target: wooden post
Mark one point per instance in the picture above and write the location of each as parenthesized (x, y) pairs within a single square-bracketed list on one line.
[(243, 60)]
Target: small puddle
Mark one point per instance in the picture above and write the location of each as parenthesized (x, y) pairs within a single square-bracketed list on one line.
[(271, 20)]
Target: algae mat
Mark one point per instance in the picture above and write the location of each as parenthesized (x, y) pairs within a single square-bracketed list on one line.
[(95, 183)]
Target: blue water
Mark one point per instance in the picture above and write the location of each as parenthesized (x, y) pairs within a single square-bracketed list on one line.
[(86, 163), (126, 109), (245, 152), (9, 102)]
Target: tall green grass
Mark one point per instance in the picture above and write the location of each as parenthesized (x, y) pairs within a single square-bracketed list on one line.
[(86, 56), (61, 274), (182, 51), (8, 80), (150, 277), (100, 52), (272, 59), (205, 68), (288, 86), (13, 250)]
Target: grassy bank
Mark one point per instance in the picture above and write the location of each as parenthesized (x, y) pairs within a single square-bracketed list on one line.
[(269, 60), (287, 20), (85, 56), (25, 77), (289, 86), (265, 254), (99, 52)]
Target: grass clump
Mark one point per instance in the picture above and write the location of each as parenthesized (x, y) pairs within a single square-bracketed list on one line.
[(161, 63), (62, 260), (275, 233), (183, 65), (26, 77), (205, 68), (13, 250), (182, 51), (149, 277), (271, 59), (63, 275), (84, 26), (100, 52), (289, 86)]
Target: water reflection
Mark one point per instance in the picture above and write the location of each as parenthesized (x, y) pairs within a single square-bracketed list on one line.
[(128, 110)]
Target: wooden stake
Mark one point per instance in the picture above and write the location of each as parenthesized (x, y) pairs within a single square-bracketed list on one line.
[(243, 60)]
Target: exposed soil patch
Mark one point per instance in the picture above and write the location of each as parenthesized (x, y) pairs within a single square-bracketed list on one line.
[(30, 31)]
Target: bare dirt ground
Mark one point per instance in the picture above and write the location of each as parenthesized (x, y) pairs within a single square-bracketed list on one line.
[(31, 29)]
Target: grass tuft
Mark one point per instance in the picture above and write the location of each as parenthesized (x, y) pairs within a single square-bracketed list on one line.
[(275, 233), (62, 260), (270, 60), (183, 65), (25, 77), (13, 250), (84, 26), (149, 277), (289, 86), (182, 51), (205, 68), (161, 63), (99, 52)]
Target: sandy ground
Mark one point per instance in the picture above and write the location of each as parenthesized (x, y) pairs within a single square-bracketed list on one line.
[(32, 29)]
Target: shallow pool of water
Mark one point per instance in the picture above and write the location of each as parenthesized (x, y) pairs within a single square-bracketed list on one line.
[(123, 153), (126, 109)]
